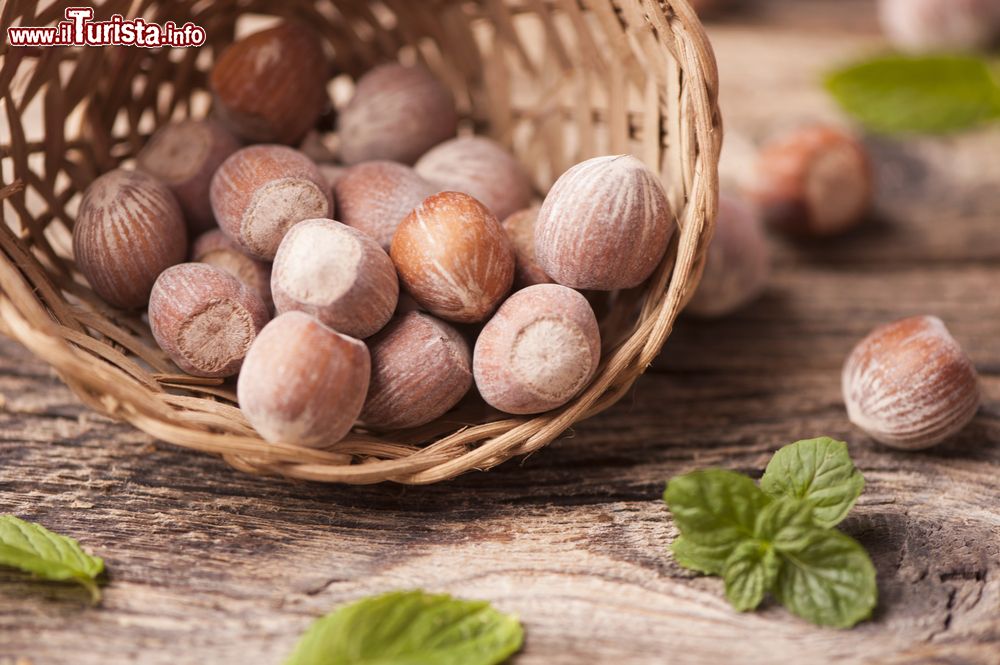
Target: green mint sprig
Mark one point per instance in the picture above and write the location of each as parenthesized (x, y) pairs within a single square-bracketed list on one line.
[(779, 537), (410, 627), (918, 94), (50, 556)]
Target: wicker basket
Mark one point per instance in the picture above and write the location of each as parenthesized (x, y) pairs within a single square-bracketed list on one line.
[(556, 80)]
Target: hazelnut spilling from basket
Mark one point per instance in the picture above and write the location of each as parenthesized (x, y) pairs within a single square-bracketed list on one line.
[(376, 291)]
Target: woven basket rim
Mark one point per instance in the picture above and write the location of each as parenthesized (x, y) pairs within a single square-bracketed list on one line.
[(61, 324)]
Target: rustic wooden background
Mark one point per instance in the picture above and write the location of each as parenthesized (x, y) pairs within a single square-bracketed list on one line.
[(208, 565)]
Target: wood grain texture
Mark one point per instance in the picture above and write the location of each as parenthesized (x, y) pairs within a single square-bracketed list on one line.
[(208, 565)]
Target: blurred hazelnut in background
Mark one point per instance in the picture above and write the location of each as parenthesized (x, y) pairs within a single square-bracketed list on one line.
[(922, 26)]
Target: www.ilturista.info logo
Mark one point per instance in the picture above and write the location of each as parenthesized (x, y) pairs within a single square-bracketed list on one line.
[(79, 29)]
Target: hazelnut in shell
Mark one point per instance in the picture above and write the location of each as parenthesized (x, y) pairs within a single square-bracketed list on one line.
[(909, 384), (262, 191), (539, 350), (374, 197), (270, 87), (204, 318), (397, 113), (928, 26), (421, 368), (303, 383), (128, 230), (216, 249), (337, 274), (604, 225), (481, 168), (453, 257), (520, 228)]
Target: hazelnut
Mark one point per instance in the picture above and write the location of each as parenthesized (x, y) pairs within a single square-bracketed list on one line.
[(481, 168), (738, 263), (216, 249), (520, 229), (397, 113), (921, 26), (374, 197), (270, 87), (604, 225), (538, 351), (421, 368), (337, 274), (261, 191), (909, 385), (204, 318), (453, 257), (303, 383), (184, 155), (128, 230), (814, 181)]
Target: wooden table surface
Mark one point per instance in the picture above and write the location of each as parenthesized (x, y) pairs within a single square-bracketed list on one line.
[(208, 565)]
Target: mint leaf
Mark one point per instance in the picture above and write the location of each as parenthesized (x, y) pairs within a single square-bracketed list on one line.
[(34, 549), (787, 524), (918, 94), (411, 628), (702, 558), (714, 508), (819, 471), (830, 581), (750, 571)]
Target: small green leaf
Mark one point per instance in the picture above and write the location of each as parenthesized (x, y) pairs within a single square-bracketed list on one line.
[(715, 508), (750, 571), (410, 628), (34, 549), (921, 94), (710, 560), (819, 471), (787, 524), (831, 581)]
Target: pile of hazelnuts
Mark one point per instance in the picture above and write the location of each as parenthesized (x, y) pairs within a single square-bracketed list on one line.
[(375, 290)]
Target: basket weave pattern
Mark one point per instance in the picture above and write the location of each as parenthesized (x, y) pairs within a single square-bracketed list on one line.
[(557, 81)]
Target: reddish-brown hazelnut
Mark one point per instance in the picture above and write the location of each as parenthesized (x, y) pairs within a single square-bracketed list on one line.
[(128, 230), (337, 274), (204, 318), (538, 351), (815, 181), (453, 257), (909, 385), (604, 225), (421, 368), (520, 229), (216, 249), (302, 382), (397, 113), (481, 168), (270, 87), (374, 197), (738, 263), (262, 191), (184, 155)]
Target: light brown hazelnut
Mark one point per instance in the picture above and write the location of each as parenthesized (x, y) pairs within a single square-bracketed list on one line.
[(928, 26), (262, 191), (270, 87), (302, 382), (421, 368), (539, 350), (520, 229), (909, 385), (374, 197), (738, 263), (453, 257), (397, 113), (815, 181), (604, 225), (337, 274), (481, 168), (204, 318), (216, 249), (184, 155), (128, 230)]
